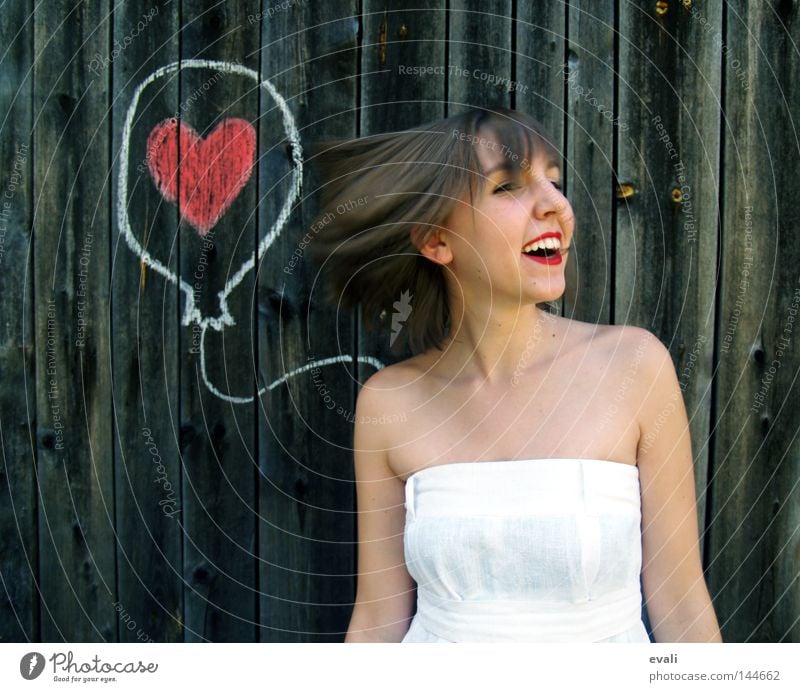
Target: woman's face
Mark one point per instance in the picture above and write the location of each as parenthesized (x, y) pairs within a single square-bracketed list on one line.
[(487, 241)]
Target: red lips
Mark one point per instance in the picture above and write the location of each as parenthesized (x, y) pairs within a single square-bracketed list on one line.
[(549, 234), (555, 258)]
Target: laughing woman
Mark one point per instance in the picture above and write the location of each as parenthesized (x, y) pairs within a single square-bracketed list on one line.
[(531, 476)]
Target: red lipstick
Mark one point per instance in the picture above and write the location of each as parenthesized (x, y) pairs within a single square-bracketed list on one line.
[(554, 258)]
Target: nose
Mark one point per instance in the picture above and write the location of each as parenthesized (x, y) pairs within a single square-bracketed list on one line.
[(548, 200)]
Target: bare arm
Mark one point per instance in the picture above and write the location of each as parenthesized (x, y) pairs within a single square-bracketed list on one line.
[(385, 593), (676, 595)]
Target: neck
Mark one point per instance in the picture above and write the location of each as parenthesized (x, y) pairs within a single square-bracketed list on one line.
[(497, 345)]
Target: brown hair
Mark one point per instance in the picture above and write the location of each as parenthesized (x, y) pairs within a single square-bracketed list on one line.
[(376, 189)]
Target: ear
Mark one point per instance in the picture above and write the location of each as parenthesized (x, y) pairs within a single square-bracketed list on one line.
[(435, 247)]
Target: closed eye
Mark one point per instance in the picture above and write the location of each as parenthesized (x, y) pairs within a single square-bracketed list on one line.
[(504, 187), (509, 186)]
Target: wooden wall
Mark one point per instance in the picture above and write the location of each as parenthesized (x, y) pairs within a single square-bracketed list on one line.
[(151, 491)]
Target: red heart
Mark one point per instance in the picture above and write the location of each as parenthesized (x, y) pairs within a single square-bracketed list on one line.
[(211, 172)]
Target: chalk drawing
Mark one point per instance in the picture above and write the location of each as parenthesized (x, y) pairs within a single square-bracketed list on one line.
[(204, 217), (214, 169)]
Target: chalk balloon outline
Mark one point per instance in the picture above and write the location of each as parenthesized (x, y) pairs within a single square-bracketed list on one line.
[(191, 313)]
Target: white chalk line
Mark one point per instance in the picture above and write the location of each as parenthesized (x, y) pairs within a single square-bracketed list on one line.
[(369, 360), (191, 313)]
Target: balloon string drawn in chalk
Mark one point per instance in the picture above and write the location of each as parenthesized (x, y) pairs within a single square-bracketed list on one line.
[(368, 360)]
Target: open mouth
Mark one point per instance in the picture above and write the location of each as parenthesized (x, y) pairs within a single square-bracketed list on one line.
[(545, 250), (545, 256)]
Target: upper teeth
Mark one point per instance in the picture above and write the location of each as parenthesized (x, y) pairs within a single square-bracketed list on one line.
[(549, 243)]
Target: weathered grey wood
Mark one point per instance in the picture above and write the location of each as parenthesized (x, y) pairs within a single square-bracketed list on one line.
[(393, 40), (665, 243), (540, 30), (305, 425), (261, 541), (218, 445), (753, 520), (592, 124), (392, 101), (18, 500), (77, 573), (540, 35), (145, 309), (479, 54)]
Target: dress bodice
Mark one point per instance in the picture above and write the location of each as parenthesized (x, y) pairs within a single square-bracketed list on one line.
[(529, 550)]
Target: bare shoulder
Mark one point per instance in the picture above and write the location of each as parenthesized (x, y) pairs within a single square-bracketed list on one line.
[(621, 344), (647, 369), (392, 380), (387, 392), (643, 349)]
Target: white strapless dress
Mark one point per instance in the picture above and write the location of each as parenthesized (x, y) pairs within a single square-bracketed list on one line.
[(536, 550)]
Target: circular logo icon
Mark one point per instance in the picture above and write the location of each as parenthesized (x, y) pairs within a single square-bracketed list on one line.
[(31, 665)]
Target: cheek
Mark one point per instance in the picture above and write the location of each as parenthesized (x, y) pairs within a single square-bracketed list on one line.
[(566, 217)]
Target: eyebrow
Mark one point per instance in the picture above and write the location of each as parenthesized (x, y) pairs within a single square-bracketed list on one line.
[(506, 166)]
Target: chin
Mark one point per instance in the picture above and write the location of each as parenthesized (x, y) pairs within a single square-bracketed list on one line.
[(547, 295)]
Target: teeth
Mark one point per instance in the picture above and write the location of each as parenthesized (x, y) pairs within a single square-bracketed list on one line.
[(549, 243)]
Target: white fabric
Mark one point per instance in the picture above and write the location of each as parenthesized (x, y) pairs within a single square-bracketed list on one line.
[(536, 550)]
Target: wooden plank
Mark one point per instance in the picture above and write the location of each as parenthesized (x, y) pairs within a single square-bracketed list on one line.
[(479, 54), (306, 500), (540, 31), (666, 236), (666, 232), (73, 355), (145, 307), (754, 513), (592, 125), (394, 39), (217, 435), (392, 99), (18, 500)]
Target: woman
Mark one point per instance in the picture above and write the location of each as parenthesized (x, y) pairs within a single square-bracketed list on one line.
[(521, 469)]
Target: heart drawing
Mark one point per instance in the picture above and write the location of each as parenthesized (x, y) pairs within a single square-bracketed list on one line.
[(204, 175)]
